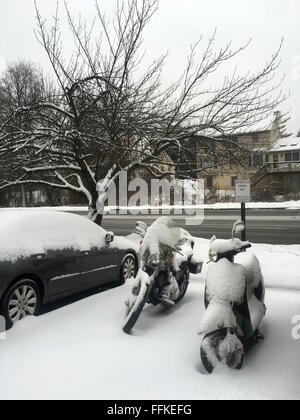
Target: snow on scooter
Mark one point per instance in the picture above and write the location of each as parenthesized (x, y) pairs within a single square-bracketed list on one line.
[(234, 301), (165, 259)]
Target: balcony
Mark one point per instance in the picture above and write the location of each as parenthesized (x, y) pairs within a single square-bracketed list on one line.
[(273, 168), (276, 167)]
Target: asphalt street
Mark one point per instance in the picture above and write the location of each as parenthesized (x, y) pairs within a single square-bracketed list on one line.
[(271, 226)]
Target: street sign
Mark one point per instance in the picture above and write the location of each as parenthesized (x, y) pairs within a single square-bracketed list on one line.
[(242, 191)]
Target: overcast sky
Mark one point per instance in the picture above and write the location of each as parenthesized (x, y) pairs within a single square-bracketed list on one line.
[(176, 25)]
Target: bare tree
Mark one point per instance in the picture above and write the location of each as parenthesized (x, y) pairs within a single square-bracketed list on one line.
[(22, 86), (108, 115)]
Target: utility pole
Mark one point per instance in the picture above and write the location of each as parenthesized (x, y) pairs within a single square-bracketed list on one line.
[(243, 196)]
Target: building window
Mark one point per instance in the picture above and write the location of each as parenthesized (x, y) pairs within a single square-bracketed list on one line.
[(209, 181), (233, 179), (255, 138), (292, 156), (288, 157), (267, 158), (258, 161)]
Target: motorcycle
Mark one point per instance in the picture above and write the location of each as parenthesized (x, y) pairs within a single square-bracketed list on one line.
[(165, 264), (234, 302)]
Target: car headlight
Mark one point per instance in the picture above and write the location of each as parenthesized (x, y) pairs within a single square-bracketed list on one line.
[(213, 256)]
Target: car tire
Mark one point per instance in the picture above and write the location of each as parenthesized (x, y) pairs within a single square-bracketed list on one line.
[(22, 299), (129, 267)]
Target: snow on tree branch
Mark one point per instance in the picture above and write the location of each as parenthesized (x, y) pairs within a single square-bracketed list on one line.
[(105, 113)]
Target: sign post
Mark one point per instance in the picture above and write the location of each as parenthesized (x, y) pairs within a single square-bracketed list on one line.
[(243, 196)]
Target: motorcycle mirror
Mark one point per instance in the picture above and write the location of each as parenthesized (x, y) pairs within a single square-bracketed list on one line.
[(238, 227), (141, 228)]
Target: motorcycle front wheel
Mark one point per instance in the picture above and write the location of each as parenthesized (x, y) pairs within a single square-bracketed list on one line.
[(141, 291)]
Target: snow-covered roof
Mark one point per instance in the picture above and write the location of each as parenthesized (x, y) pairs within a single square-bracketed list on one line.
[(286, 144)]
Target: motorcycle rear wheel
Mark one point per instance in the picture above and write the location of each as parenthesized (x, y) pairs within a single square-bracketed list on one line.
[(183, 285), (233, 360)]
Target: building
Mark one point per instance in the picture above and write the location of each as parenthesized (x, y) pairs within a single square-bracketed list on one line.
[(270, 161), (280, 167)]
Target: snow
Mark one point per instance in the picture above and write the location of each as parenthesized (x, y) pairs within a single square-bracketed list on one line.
[(280, 265), (142, 281), (185, 252), (225, 245), (229, 344), (257, 311), (80, 352), (218, 315), (160, 232), (226, 281), (30, 233), (255, 205), (286, 144), (291, 205), (252, 266)]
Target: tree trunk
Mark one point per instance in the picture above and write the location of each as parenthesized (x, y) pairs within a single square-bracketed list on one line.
[(94, 216), (23, 192), (98, 219)]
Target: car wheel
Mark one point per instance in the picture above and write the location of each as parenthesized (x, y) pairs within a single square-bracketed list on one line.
[(128, 267), (21, 300)]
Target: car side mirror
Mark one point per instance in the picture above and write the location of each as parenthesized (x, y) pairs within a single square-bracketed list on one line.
[(109, 237)]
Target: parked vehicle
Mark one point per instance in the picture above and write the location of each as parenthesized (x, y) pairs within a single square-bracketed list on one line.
[(234, 301), (48, 255), (165, 258)]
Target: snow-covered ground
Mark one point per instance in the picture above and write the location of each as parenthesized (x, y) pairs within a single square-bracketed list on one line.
[(254, 205), (79, 350)]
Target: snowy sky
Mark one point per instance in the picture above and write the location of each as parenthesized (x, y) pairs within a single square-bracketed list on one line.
[(176, 25)]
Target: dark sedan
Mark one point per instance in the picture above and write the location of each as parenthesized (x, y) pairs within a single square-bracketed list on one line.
[(48, 255)]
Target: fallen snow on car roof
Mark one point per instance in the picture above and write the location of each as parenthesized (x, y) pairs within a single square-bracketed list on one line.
[(30, 232)]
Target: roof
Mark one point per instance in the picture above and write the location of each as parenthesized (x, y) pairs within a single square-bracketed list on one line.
[(286, 144)]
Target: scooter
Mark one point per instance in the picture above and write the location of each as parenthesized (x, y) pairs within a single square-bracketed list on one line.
[(165, 258), (234, 302)]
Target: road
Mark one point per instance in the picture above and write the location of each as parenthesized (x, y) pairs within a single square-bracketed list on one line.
[(271, 226)]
